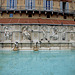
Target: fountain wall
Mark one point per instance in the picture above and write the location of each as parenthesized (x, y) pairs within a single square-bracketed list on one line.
[(46, 37)]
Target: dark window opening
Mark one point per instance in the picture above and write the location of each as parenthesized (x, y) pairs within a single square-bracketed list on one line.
[(30, 15), (48, 16), (64, 6), (65, 17), (57, 16), (39, 15), (10, 15), (20, 14), (74, 19)]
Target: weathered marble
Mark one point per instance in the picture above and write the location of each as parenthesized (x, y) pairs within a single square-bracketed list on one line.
[(44, 35)]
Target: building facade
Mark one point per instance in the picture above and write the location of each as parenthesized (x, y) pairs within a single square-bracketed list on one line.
[(47, 24), (51, 9)]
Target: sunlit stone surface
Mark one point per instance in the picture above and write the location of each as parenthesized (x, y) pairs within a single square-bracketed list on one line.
[(28, 36)]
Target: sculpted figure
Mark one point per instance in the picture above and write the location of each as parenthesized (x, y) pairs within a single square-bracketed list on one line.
[(7, 33), (63, 35), (26, 33), (54, 33), (44, 28), (72, 36), (63, 31)]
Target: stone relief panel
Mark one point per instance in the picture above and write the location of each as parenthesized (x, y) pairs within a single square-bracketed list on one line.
[(26, 33), (44, 32), (35, 37), (35, 27), (72, 36), (40, 33), (63, 32), (7, 33), (17, 36), (54, 34), (71, 28), (17, 27)]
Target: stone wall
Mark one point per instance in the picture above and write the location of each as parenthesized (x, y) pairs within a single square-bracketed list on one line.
[(48, 36)]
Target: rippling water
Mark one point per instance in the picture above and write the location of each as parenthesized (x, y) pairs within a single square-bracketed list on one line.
[(59, 62)]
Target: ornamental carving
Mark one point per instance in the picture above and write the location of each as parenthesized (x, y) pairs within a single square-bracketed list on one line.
[(44, 28), (55, 31), (7, 33), (63, 31), (72, 36), (26, 33)]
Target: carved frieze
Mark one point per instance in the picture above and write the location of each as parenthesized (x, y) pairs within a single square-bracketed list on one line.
[(54, 35), (63, 32), (44, 31), (7, 33), (26, 33)]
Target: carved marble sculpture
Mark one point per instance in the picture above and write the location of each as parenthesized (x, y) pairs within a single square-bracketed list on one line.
[(7, 33), (26, 33), (63, 31), (63, 35), (54, 33), (44, 28), (72, 36)]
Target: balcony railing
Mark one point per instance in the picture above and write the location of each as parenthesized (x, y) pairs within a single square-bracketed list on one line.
[(37, 8)]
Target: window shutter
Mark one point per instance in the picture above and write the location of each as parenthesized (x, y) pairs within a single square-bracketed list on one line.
[(26, 4), (61, 6), (15, 4), (67, 6), (44, 4), (8, 4), (48, 5), (33, 4), (12, 4), (51, 5)]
